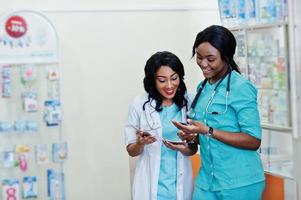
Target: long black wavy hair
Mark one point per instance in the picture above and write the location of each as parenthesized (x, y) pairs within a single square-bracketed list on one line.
[(153, 64), (220, 38)]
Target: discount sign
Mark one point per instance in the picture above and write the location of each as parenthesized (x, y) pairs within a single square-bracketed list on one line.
[(16, 26)]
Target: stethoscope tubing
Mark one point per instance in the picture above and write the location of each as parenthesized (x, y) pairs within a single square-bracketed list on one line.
[(191, 113)]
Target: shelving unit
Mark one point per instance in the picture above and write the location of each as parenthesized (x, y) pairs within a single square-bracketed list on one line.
[(263, 31), (262, 54), (31, 140)]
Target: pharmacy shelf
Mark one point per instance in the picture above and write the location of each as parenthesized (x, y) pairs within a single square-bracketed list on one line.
[(282, 129), (259, 26)]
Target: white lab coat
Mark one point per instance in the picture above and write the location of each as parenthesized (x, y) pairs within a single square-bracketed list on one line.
[(148, 166)]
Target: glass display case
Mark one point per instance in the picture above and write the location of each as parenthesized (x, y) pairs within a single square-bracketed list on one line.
[(261, 29), (276, 153), (262, 57)]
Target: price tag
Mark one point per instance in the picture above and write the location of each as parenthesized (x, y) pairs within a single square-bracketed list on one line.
[(16, 26)]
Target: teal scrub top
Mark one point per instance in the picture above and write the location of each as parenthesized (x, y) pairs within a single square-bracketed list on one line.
[(225, 166), (167, 182)]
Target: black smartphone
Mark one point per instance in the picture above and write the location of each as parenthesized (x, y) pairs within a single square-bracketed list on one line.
[(174, 142), (145, 134)]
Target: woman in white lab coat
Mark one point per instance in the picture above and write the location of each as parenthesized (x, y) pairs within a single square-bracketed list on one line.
[(163, 171)]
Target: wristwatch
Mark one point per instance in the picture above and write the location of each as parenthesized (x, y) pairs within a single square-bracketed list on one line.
[(210, 132)]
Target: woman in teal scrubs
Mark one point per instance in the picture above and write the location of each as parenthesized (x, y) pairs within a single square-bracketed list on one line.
[(225, 117)]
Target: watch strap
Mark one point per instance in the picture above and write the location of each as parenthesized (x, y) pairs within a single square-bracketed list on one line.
[(210, 132)]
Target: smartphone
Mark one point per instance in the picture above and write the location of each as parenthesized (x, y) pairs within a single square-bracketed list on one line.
[(183, 123), (175, 142), (145, 134)]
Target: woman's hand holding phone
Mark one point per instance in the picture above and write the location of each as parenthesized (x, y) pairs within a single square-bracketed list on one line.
[(188, 131), (145, 134), (144, 137), (176, 146)]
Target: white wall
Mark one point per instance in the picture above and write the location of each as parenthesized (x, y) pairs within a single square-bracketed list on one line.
[(88, 5), (103, 52)]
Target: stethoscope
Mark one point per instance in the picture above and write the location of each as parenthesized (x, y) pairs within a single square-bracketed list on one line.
[(191, 113)]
